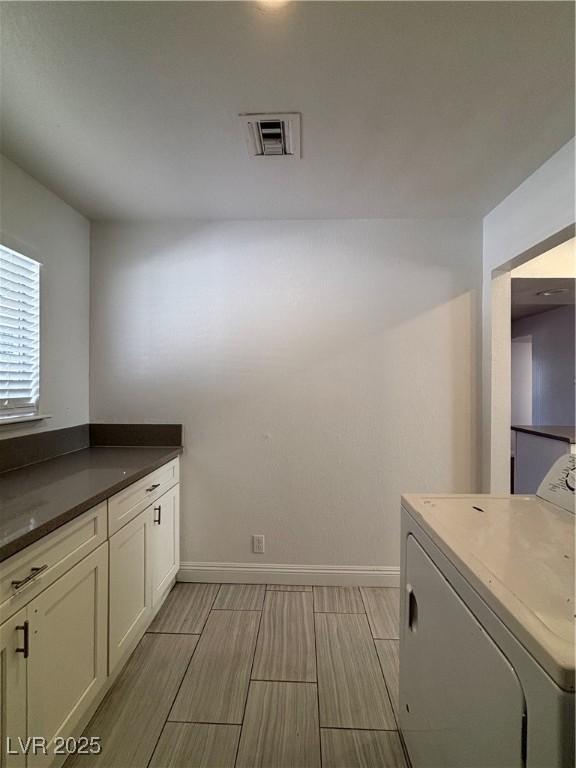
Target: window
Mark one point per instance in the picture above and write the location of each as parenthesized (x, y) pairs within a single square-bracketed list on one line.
[(19, 335)]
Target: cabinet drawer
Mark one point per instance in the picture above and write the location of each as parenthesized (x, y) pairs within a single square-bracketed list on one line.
[(126, 504), (53, 555)]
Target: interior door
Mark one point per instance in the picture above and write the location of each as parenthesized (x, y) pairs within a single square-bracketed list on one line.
[(68, 641), (130, 585), (165, 542), (461, 703), (13, 671)]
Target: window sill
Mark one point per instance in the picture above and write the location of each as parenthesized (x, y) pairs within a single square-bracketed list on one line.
[(12, 420)]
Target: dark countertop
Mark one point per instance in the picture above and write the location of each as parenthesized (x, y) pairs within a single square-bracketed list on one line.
[(39, 498), (566, 434)]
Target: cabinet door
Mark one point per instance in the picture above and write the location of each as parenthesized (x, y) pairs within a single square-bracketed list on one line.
[(13, 670), (461, 703), (165, 542), (68, 642), (130, 586)]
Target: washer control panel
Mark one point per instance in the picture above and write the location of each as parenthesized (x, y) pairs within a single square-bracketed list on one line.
[(558, 485)]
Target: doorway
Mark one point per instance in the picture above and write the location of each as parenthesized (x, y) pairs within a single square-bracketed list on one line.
[(534, 364)]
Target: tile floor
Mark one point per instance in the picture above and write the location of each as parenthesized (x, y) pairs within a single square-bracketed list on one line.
[(247, 676)]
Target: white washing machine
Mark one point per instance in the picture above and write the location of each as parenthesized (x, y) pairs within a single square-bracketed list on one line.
[(487, 627)]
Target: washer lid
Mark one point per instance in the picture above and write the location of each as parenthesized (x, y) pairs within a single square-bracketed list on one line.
[(518, 553)]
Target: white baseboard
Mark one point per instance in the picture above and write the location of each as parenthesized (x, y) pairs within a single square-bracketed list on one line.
[(281, 573)]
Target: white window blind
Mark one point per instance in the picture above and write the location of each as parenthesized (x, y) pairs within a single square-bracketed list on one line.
[(19, 334)]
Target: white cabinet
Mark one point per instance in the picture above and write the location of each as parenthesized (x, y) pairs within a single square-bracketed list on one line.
[(14, 635), (74, 605), (165, 543), (30, 571), (144, 560), (129, 502), (68, 641), (54, 660), (130, 586)]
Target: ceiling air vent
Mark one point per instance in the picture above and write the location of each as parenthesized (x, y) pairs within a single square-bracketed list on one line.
[(272, 135)]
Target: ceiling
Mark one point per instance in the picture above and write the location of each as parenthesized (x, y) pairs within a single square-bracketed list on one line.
[(525, 298), (129, 110)]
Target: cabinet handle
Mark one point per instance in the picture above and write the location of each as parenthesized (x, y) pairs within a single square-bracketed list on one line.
[(25, 650), (32, 575), (152, 487), (412, 610), (159, 510)]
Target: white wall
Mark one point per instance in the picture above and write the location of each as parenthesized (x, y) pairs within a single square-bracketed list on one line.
[(553, 365), (521, 364), (320, 369), (38, 224), (540, 207)]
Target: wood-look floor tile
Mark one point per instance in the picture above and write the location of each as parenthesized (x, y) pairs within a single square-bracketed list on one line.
[(196, 745), (216, 684), (383, 611), (289, 588), (338, 600), (351, 686), (132, 715), (285, 649), (186, 609), (361, 749), (280, 727), (388, 653), (240, 597)]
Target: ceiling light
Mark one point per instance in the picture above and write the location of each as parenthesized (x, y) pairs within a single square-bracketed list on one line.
[(272, 4)]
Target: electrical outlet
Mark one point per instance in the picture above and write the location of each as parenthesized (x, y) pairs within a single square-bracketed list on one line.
[(258, 544)]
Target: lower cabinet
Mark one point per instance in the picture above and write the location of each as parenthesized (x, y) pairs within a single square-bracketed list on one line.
[(165, 549), (54, 661), (144, 559), (130, 586), (13, 671), (58, 650)]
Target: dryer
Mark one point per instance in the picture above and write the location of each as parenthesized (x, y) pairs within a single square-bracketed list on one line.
[(487, 627)]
